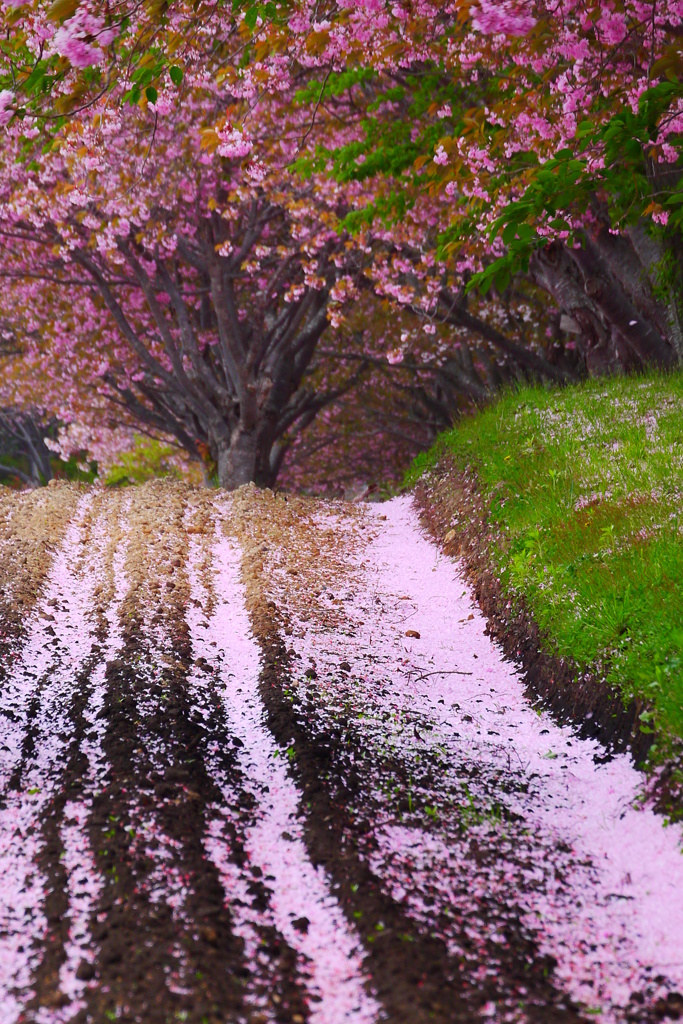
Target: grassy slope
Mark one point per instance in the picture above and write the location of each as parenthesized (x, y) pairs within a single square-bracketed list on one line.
[(585, 493)]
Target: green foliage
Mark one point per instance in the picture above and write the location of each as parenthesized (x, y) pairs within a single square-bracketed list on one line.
[(334, 85), (396, 130), (267, 11), (583, 492), (558, 186), (151, 70), (148, 460), (566, 185), (388, 209), (77, 468)]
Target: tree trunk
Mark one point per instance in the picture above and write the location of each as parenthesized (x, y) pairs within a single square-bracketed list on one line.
[(553, 269), (237, 461), (246, 459), (654, 256), (606, 292)]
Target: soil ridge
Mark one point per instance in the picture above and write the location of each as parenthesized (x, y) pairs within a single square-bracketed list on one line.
[(415, 976), (451, 507)]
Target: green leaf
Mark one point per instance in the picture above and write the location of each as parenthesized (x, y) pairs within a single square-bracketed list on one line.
[(143, 76), (502, 279), (62, 9), (250, 17), (176, 74), (484, 279), (483, 282), (559, 224), (509, 233), (151, 94), (36, 76), (525, 232)]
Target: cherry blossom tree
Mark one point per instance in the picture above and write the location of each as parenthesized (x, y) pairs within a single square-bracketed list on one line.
[(24, 447), (204, 277), (554, 132), (481, 156)]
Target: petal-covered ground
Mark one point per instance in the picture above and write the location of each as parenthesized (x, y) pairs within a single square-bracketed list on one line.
[(261, 762)]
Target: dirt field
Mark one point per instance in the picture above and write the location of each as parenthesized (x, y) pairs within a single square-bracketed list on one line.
[(260, 761)]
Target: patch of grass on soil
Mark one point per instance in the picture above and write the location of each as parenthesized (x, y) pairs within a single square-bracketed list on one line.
[(583, 491)]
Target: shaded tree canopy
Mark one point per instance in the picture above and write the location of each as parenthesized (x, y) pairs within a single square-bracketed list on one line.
[(221, 184)]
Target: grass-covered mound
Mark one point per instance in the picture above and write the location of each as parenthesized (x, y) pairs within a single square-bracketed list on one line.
[(581, 494)]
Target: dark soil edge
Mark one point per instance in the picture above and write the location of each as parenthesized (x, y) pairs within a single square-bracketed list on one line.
[(452, 509), (413, 975), (135, 937)]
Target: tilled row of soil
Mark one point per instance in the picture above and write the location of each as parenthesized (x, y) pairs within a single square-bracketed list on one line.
[(527, 883), (240, 783)]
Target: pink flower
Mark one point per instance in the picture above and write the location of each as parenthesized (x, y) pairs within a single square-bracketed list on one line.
[(6, 110), (78, 52), (233, 142), (612, 26), (256, 172), (82, 39), (503, 18)]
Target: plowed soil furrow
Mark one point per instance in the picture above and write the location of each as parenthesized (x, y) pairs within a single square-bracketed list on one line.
[(272, 986), (82, 880), (353, 773), (326, 946), (162, 909), (32, 527), (436, 769), (260, 763), (426, 963), (73, 877), (161, 916), (174, 808), (37, 696)]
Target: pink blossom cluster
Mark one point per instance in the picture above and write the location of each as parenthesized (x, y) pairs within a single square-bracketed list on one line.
[(504, 18), (234, 143), (6, 107), (83, 38)]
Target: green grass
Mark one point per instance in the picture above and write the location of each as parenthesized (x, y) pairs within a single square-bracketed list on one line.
[(584, 488), (147, 460)]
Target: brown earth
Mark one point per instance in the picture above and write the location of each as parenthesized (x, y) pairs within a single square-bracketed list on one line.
[(32, 525), (146, 705), (453, 511), (152, 966), (414, 974)]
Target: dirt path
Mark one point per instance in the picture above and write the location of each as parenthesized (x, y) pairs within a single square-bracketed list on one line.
[(260, 762)]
